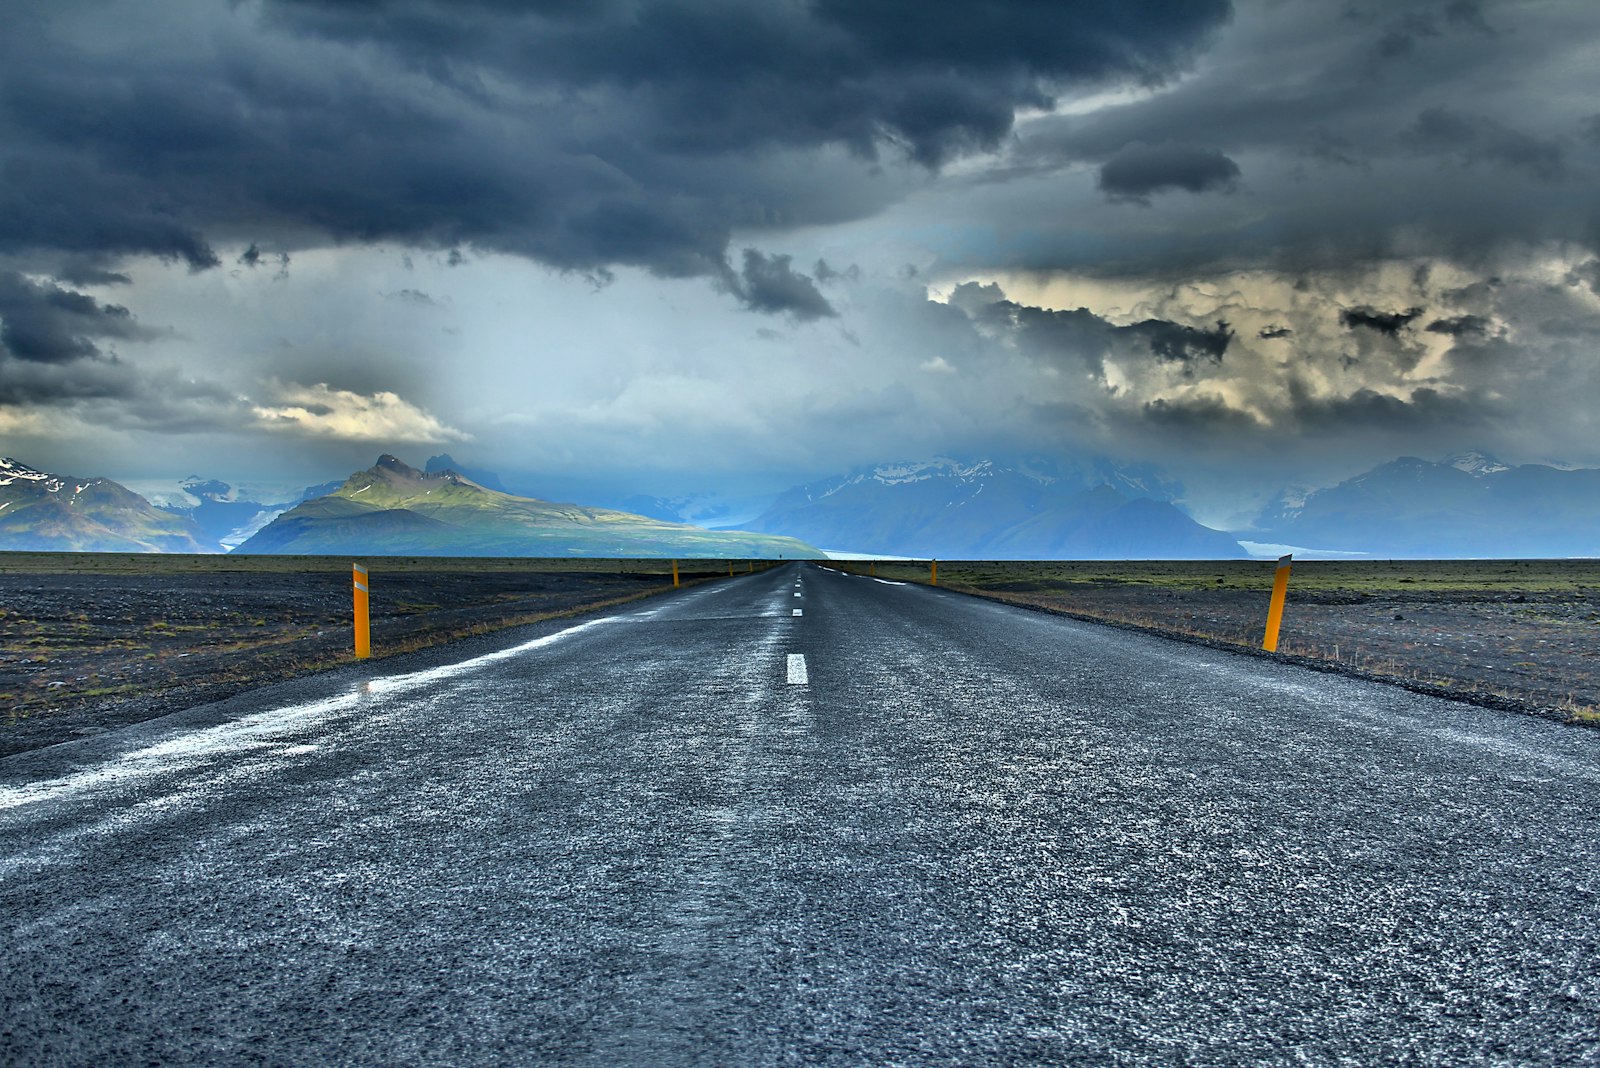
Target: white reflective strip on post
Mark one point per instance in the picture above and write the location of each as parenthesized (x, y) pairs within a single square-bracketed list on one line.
[(360, 587)]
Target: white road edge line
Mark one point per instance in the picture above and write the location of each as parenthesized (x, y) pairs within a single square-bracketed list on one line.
[(799, 612), (797, 670), (188, 747)]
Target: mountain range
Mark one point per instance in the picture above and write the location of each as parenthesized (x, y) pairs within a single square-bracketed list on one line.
[(395, 509), (59, 513), (986, 509), (1467, 505)]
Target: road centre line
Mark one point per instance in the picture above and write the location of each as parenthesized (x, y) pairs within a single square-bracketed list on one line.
[(799, 612), (797, 670)]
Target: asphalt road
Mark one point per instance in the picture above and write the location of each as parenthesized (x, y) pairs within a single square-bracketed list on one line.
[(903, 827)]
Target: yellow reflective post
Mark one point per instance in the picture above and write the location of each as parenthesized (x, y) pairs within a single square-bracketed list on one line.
[(730, 569), (1280, 590), (872, 568), (749, 567), (674, 574), (933, 577), (363, 633)]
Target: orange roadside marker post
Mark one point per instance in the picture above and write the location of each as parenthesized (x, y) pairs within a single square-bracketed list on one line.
[(674, 574), (363, 628), (1280, 591), (933, 577)]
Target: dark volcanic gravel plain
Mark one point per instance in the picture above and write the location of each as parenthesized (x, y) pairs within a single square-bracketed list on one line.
[(89, 642), (1513, 634)]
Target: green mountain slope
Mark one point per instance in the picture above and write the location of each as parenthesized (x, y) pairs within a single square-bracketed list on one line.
[(393, 509), (41, 512)]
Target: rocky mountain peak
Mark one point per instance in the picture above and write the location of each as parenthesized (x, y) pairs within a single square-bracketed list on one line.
[(1475, 462)]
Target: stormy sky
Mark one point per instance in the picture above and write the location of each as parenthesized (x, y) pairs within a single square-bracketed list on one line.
[(661, 247)]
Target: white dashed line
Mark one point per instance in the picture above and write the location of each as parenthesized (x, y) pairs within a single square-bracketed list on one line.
[(799, 612), (797, 670), (797, 595)]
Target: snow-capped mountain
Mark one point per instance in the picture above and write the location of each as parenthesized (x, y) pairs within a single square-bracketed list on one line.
[(1033, 508), (45, 512), (13, 471), (1475, 463), (1467, 505)]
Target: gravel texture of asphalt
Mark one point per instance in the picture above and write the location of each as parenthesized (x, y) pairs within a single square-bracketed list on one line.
[(805, 817)]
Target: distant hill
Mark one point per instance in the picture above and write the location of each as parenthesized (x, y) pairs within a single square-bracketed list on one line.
[(992, 510), (394, 509), (1468, 505), (42, 512)]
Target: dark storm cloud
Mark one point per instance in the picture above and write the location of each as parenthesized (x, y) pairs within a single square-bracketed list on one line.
[(1351, 157), (1459, 326), (113, 396), (1424, 409), (41, 322), (825, 273), (584, 136), (1081, 334), (1586, 273), (1476, 139), (770, 284), (1140, 170), (1388, 323), (1407, 32), (1179, 343), (79, 272), (1200, 414)]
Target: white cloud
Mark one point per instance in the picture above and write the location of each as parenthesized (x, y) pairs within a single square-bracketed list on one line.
[(319, 411)]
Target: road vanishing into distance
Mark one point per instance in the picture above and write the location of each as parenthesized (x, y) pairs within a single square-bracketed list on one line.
[(801, 817)]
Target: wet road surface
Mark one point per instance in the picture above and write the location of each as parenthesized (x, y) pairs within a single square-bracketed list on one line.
[(801, 817)]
